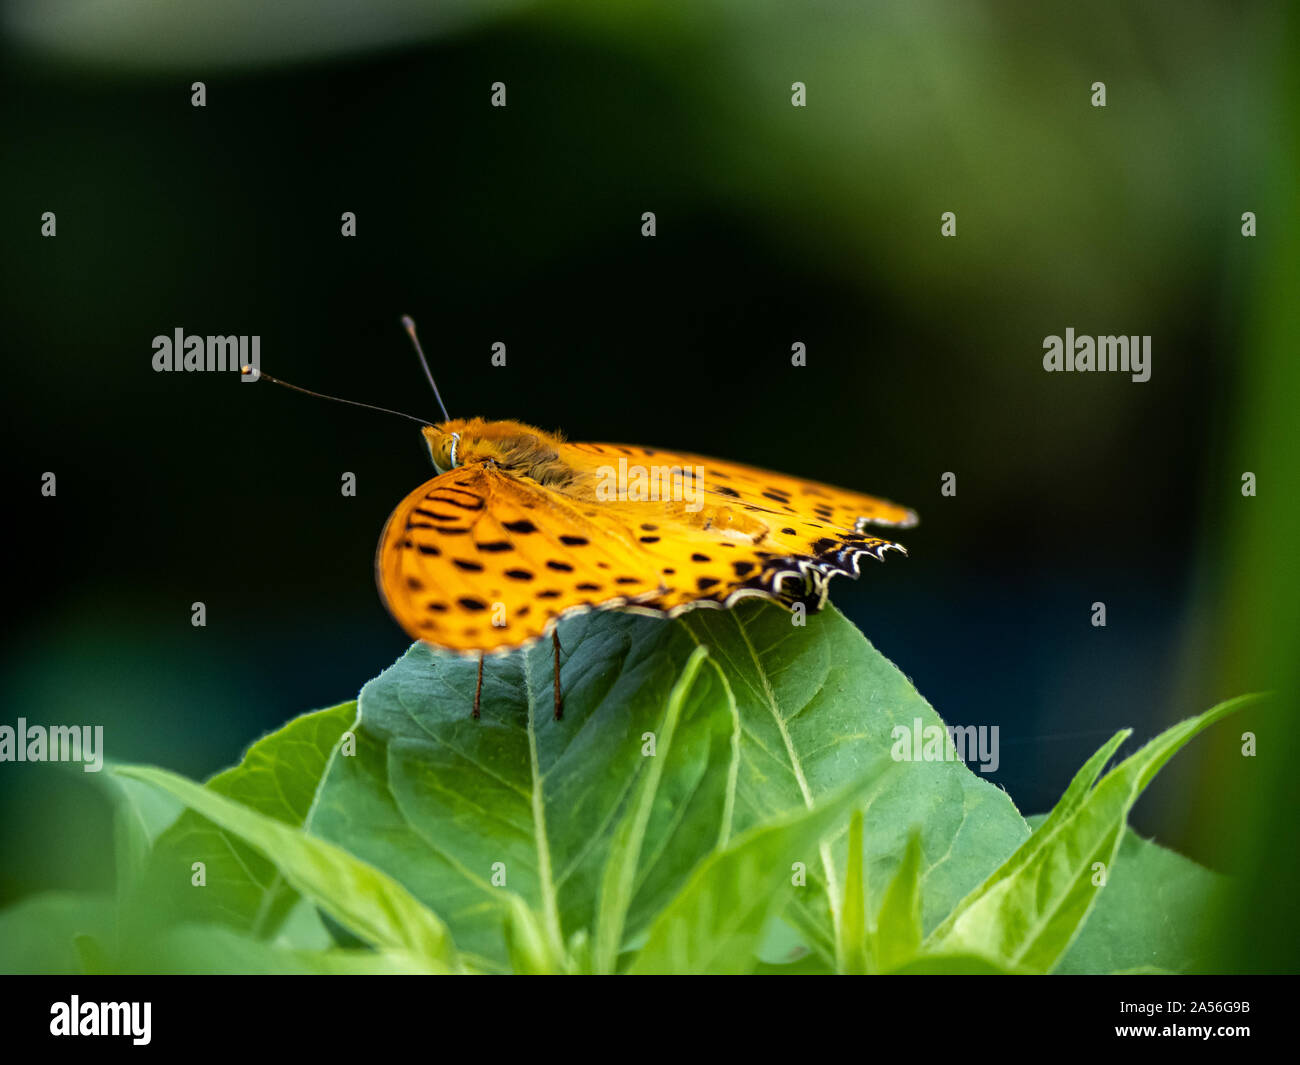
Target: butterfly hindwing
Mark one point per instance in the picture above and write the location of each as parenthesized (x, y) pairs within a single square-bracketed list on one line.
[(479, 560)]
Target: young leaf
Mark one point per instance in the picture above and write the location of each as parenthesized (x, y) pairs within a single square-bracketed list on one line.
[(618, 883), (897, 937), (141, 814), (715, 923), (528, 941), (1027, 913), (278, 776), (94, 958), (854, 951), (366, 901)]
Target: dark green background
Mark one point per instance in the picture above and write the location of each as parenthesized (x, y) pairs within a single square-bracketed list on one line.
[(775, 224)]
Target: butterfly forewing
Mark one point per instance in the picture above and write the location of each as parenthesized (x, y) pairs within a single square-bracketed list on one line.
[(740, 530)]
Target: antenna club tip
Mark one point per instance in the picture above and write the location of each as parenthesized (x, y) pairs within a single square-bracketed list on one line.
[(408, 323)]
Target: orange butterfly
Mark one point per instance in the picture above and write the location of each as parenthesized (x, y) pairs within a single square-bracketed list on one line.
[(520, 529)]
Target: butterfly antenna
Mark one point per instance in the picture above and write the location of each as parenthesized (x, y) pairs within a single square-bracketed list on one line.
[(258, 375), (409, 325)]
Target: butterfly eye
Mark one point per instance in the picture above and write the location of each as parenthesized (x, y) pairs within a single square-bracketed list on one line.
[(444, 454)]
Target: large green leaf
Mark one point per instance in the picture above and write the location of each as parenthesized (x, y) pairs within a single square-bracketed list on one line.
[(785, 716), (460, 809)]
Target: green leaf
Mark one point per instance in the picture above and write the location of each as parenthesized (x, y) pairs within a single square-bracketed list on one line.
[(94, 958), (278, 776), (808, 965), (714, 925), (1152, 915), (217, 948), (818, 704), (362, 898), (897, 937), (532, 951), (141, 814), (619, 881), (1028, 912), (953, 965), (458, 809), (854, 952), (49, 933)]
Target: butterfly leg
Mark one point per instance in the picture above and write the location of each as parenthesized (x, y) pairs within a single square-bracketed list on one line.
[(478, 688), (559, 703)]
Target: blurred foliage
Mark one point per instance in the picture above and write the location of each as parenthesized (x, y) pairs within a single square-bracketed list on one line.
[(685, 816)]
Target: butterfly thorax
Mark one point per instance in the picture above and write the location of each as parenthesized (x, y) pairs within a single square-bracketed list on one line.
[(517, 448)]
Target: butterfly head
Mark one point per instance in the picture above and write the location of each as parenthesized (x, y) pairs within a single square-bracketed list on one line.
[(443, 442), (514, 446)]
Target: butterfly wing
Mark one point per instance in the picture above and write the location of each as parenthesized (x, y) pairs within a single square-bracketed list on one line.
[(737, 530), (481, 560), (476, 559)]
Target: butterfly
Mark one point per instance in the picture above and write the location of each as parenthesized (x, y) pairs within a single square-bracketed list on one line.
[(520, 528)]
